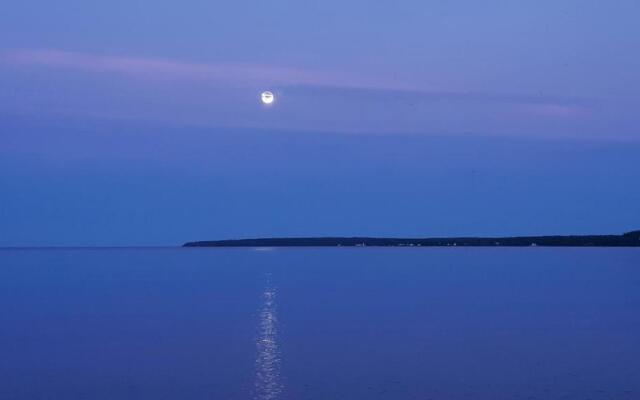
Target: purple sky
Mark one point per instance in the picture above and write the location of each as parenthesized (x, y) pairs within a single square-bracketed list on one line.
[(167, 92)]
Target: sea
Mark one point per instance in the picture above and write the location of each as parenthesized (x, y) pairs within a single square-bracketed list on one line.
[(320, 323)]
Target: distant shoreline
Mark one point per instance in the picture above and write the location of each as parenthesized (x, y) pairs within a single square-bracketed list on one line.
[(629, 239)]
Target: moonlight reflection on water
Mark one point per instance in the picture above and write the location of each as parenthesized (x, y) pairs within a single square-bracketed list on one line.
[(267, 383)]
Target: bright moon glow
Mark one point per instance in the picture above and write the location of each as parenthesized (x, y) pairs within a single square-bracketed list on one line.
[(267, 97)]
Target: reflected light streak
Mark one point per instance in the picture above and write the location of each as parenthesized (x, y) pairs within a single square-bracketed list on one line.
[(267, 379)]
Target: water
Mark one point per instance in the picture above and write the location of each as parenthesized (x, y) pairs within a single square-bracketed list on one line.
[(348, 323)]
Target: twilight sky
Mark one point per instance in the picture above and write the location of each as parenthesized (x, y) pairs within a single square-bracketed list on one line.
[(139, 122)]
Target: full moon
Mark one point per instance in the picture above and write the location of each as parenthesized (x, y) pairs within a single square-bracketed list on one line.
[(267, 97)]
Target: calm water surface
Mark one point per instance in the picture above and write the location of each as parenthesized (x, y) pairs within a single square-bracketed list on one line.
[(351, 323)]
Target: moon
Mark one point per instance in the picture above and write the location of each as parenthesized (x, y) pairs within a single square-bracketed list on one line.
[(267, 97)]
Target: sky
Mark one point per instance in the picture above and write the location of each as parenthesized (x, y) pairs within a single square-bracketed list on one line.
[(140, 122)]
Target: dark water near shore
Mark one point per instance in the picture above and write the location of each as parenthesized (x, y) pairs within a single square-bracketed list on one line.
[(437, 323)]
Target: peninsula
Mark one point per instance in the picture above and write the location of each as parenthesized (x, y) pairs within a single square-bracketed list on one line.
[(629, 239)]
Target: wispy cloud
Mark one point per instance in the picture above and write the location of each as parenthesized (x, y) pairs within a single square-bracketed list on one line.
[(354, 101), (161, 69), (558, 110), (156, 68), (321, 82), (543, 104)]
